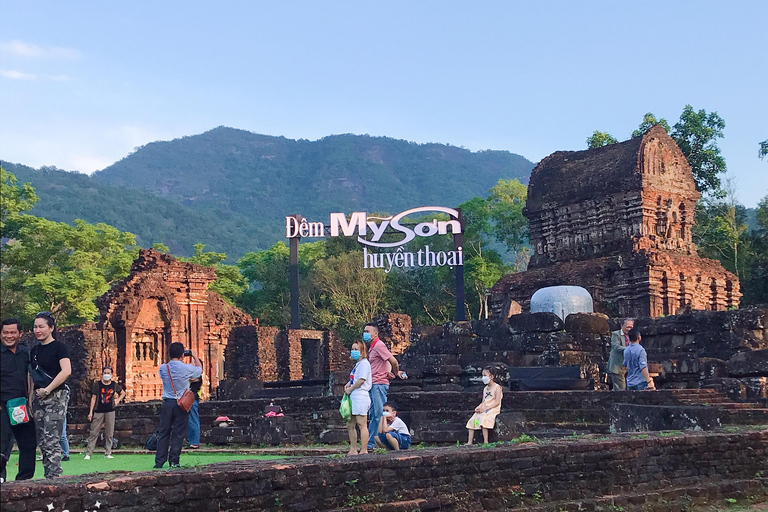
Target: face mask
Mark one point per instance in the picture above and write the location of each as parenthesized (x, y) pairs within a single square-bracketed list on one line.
[(486, 379), (367, 336), (355, 354), (106, 376), (386, 414)]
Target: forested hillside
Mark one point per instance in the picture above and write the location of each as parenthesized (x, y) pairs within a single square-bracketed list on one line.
[(231, 189), (66, 196)]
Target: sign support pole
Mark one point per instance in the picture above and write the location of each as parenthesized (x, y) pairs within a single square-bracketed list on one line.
[(458, 241), (293, 261)]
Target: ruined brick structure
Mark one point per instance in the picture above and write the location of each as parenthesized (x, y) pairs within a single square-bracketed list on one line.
[(270, 354), (617, 220), (162, 300)]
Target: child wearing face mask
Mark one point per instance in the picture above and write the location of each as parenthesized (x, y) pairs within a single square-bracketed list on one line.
[(485, 413), (106, 395), (357, 388)]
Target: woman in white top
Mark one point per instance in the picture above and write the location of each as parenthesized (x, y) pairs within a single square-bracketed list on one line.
[(357, 389)]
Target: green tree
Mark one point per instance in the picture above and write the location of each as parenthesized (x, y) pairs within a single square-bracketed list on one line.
[(506, 201), (267, 272), (763, 149), (720, 229), (62, 268), (754, 285), (229, 283), (344, 296), (14, 199), (696, 133), (649, 121), (600, 139)]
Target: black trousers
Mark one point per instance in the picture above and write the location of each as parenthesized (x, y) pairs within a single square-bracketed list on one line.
[(173, 426), (25, 438)]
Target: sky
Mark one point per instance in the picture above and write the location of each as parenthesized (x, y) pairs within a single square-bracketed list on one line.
[(84, 83)]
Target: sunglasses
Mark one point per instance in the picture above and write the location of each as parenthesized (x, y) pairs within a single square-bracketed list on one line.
[(44, 313)]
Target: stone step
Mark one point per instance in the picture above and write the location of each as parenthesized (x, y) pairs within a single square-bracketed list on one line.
[(693, 497), (745, 417), (418, 505)]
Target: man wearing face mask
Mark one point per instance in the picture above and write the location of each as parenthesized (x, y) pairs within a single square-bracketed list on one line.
[(106, 395), (384, 367)]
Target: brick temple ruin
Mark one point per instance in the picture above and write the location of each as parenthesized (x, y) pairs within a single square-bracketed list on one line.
[(617, 221), (164, 300)]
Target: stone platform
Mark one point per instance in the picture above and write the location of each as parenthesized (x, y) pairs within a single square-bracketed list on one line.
[(435, 417), (647, 472)]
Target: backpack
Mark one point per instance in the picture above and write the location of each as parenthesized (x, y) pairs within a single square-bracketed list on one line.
[(151, 443)]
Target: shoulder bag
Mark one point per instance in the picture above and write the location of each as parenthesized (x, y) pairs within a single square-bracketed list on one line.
[(186, 399), (40, 377)]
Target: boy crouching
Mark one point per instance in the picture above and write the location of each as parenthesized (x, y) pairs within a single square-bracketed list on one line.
[(393, 433)]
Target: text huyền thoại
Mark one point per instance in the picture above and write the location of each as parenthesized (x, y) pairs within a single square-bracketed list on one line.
[(421, 258)]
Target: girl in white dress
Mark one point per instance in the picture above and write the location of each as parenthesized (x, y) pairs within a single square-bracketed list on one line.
[(485, 413), (357, 388)]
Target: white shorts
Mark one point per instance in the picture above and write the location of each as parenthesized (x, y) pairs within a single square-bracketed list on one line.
[(361, 402)]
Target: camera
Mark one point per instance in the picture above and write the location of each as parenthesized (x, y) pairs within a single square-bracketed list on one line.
[(187, 352)]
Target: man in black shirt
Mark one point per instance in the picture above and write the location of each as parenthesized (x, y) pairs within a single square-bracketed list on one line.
[(14, 383)]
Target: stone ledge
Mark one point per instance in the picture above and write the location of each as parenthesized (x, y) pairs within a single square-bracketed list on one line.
[(529, 475)]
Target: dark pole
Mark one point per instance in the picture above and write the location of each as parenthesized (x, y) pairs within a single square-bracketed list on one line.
[(293, 261), (458, 241)]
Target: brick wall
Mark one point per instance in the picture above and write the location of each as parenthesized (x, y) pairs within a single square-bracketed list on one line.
[(657, 473)]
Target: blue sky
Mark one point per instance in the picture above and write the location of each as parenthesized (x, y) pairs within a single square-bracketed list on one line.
[(83, 83)]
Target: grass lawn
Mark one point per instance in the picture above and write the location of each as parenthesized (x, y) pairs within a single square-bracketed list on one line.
[(76, 465)]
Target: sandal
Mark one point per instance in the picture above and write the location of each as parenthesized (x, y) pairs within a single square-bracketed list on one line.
[(194, 446)]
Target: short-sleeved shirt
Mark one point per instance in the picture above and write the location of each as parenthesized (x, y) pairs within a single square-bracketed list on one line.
[(379, 356), (48, 357), (181, 373), (398, 426), (635, 359), (105, 395), (362, 370), (13, 372)]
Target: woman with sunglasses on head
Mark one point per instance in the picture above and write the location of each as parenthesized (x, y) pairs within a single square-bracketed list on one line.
[(50, 367)]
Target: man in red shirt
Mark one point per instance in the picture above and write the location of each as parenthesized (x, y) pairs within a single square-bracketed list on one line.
[(384, 367)]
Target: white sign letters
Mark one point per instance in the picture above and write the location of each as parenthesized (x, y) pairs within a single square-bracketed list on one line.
[(363, 225)]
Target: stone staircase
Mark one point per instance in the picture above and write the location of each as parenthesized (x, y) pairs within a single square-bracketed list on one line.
[(435, 417), (440, 417)]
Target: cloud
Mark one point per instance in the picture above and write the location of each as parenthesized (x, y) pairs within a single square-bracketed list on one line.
[(60, 78), (22, 50), (16, 75)]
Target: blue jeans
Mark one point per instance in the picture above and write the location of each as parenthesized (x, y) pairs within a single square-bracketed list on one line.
[(378, 394), (638, 387), (403, 440), (193, 425), (64, 440)]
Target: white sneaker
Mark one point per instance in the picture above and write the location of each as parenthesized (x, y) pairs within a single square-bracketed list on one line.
[(109, 456), (87, 457)]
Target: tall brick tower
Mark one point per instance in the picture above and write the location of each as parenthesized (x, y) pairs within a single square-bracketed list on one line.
[(617, 220)]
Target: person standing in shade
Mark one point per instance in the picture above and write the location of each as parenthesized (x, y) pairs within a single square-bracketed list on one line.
[(50, 368), (173, 419), (193, 424), (105, 395), (619, 342), (636, 361), (15, 383), (383, 367)]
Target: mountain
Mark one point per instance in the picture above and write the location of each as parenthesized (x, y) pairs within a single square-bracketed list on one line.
[(231, 189), (66, 196)]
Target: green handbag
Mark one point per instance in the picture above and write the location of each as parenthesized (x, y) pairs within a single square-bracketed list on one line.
[(18, 411), (345, 409)]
